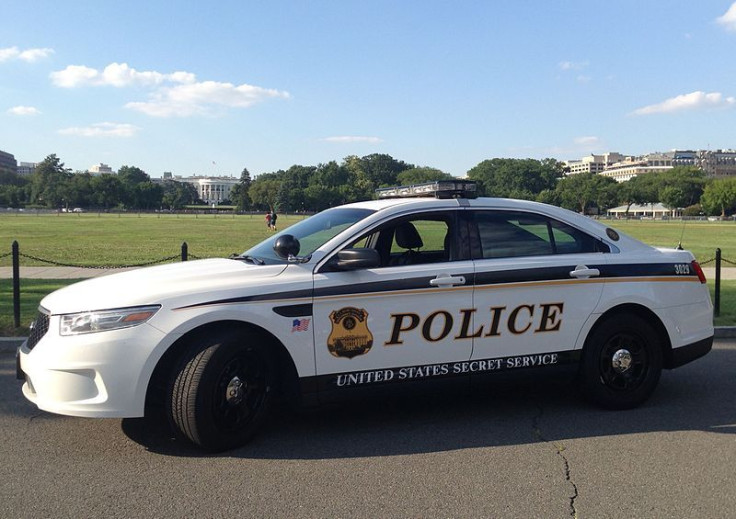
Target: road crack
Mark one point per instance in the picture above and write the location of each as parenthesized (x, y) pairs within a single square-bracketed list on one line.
[(560, 448)]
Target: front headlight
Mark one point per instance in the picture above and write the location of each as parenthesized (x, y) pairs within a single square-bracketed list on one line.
[(103, 320)]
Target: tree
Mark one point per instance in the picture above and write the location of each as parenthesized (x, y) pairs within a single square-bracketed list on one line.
[(47, 182), (147, 195), (264, 191), (681, 187), (79, 190), (382, 169), (290, 195), (239, 193), (421, 175), (132, 176), (719, 196), (516, 178), (178, 194), (584, 190), (107, 191)]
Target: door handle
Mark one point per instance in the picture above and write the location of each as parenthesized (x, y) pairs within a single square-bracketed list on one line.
[(447, 281), (583, 272)]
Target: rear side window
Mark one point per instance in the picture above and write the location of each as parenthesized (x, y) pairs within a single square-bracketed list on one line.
[(504, 234)]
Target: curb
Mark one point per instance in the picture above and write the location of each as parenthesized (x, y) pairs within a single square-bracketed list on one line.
[(12, 343)]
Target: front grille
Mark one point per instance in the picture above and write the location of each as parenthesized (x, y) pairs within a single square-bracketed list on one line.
[(39, 327)]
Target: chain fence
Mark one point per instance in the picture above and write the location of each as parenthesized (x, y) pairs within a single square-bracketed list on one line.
[(101, 267), (17, 255)]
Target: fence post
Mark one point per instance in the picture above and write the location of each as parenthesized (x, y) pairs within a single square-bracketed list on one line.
[(16, 284), (717, 305), (184, 251)]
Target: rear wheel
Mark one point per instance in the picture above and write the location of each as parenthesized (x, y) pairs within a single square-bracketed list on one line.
[(622, 362), (221, 390)]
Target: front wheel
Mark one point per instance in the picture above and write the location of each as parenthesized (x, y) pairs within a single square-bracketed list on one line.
[(622, 362), (221, 390)]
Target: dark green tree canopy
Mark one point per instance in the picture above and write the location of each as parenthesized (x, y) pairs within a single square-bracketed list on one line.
[(584, 191), (421, 175), (131, 175), (719, 196), (48, 181), (516, 178)]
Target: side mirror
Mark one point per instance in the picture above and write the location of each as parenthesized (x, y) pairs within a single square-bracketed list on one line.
[(353, 259), (286, 246)]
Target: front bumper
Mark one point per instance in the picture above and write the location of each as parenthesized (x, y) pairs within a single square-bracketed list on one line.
[(101, 375)]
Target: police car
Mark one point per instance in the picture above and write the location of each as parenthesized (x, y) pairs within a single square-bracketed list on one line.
[(426, 282)]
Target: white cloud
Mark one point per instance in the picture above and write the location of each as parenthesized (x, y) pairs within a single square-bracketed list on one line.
[(102, 130), (349, 139), (178, 94), (202, 98), (572, 65), (24, 110), (728, 20), (28, 55), (587, 141), (115, 74), (691, 101)]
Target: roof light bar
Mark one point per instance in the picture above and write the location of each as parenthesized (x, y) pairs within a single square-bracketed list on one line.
[(438, 189)]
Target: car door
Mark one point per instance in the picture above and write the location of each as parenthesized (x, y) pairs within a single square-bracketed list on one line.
[(536, 284), (403, 319)]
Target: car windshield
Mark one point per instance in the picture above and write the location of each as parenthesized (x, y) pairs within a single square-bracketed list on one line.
[(312, 233)]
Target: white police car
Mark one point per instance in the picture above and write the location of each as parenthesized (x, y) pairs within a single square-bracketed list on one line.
[(400, 289)]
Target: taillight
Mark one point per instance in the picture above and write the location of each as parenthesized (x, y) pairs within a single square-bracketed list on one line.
[(698, 271)]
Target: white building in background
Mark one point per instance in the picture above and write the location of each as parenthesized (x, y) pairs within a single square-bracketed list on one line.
[(593, 163), (632, 167), (644, 211), (100, 169), (211, 190)]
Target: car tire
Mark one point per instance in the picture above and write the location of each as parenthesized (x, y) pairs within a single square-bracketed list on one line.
[(221, 390), (622, 362)]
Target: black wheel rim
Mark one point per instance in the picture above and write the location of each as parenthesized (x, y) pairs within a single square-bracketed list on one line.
[(239, 392), (635, 374)]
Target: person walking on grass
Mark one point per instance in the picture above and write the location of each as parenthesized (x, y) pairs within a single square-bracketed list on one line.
[(268, 220), (273, 219)]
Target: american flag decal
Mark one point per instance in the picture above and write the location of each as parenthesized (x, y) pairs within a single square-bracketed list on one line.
[(300, 325)]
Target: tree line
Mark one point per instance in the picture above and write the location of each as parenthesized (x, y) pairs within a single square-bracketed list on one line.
[(315, 188)]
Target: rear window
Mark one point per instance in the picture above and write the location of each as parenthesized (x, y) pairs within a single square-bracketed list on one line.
[(505, 234)]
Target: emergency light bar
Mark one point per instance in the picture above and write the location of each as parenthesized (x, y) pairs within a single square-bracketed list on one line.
[(438, 189)]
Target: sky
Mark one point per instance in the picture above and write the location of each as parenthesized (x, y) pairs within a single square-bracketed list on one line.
[(210, 88)]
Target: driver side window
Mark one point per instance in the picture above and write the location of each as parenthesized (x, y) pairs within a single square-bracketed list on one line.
[(419, 240)]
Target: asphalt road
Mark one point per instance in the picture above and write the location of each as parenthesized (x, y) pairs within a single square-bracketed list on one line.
[(521, 450)]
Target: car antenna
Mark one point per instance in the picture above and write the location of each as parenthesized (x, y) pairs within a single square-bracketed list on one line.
[(682, 233)]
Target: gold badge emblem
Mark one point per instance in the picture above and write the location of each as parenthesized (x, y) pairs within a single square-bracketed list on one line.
[(350, 335)]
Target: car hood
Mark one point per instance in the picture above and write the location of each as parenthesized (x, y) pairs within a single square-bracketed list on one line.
[(178, 282)]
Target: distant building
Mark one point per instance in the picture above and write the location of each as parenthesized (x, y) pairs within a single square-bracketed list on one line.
[(100, 169), (27, 168), (632, 167), (7, 161), (644, 211), (211, 190), (719, 163), (592, 163)]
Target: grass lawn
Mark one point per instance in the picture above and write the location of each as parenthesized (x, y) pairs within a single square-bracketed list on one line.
[(90, 239), (700, 238)]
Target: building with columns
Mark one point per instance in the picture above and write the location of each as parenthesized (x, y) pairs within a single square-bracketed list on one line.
[(210, 189)]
